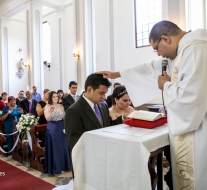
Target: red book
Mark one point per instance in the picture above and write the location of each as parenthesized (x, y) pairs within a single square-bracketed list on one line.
[(146, 124)]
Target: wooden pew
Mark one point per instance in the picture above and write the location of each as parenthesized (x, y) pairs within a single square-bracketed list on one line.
[(17, 152), (38, 149), (3, 143)]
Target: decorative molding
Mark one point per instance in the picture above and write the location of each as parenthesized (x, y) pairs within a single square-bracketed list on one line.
[(9, 8), (60, 10), (3, 18)]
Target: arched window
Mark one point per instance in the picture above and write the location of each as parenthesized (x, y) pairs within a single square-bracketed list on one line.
[(147, 13), (46, 43)]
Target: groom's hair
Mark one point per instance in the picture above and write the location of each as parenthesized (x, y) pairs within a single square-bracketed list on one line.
[(95, 80)]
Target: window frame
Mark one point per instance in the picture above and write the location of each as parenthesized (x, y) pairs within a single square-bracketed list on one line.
[(135, 25)]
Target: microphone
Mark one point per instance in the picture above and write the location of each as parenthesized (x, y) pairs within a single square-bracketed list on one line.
[(164, 66)]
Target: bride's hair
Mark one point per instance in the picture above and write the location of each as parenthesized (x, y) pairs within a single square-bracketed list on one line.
[(118, 93)]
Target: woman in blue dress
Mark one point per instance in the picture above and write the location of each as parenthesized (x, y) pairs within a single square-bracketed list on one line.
[(56, 147), (10, 113)]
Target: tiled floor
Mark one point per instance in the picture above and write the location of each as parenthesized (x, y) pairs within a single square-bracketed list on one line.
[(61, 179)]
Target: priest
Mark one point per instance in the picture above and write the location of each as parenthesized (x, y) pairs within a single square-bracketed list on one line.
[(185, 95)]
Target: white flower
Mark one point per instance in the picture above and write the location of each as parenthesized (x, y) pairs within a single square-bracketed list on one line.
[(25, 122)]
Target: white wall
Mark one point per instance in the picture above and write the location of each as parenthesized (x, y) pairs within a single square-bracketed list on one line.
[(70, 64), (17, 39), (52, 76), (102, 35), (125, 53)]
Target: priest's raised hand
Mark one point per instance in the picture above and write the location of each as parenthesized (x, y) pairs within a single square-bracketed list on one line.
[(109, 74)]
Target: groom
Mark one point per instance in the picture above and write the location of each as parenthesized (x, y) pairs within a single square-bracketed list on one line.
[(89, 113)]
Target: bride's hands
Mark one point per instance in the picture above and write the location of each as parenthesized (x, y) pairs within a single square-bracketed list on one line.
[(52, 109)]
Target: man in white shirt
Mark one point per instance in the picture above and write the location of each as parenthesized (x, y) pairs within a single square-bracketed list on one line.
[(72, 97), (185, 95)]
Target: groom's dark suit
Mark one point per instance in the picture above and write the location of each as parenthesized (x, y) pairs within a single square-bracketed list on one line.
[(67, 102), (80, 118)]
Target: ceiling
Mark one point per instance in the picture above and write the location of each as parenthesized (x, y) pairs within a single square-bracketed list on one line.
[(48, 7), (22, 15)]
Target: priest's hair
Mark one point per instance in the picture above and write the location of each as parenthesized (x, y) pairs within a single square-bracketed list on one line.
[(164, 27)]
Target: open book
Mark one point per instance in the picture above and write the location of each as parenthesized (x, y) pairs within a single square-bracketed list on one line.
[(145, 115)]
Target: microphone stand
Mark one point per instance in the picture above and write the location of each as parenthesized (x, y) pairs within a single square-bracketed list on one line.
[(164, 67), (163, 103)]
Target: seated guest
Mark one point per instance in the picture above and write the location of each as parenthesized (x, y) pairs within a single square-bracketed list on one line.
[(109, 98), (10, 113), (60, 96), (72, 97), (28, 105), (3, 101), (88, 113), (41, 106), (20, 97), (56, 147), (121, 105)]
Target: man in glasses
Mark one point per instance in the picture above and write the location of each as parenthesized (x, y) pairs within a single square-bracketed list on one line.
[(184, 94)]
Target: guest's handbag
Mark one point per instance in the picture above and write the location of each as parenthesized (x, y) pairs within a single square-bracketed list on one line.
[(146, 124)]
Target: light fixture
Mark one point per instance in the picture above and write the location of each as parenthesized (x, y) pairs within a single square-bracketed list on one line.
[(27, 65), (76, 54), (47, 64), (20, 49)]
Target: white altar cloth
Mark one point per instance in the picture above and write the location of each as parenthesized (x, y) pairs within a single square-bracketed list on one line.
[(111, 161)]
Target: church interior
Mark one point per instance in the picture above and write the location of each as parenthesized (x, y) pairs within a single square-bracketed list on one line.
[(48, 43)]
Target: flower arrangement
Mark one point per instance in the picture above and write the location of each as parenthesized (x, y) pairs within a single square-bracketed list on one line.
[(25, 123)]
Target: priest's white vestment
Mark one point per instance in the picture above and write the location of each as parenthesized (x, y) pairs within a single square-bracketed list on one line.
[(186, 101)]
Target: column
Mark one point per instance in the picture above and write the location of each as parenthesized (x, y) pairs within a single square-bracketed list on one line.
[(60, 17), (4, 82), (34, 47), (92, 37), (79, 46)]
